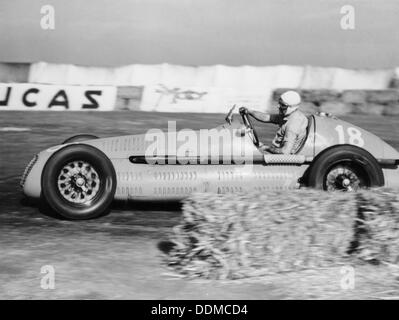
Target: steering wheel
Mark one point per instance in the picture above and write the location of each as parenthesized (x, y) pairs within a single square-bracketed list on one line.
[(248, 124)]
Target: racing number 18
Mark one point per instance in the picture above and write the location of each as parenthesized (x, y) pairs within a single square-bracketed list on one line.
[(354, 136)]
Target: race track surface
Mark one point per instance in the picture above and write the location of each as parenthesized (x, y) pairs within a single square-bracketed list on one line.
[(118, 256)]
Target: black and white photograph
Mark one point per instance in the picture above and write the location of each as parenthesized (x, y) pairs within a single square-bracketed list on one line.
[(221, 151)]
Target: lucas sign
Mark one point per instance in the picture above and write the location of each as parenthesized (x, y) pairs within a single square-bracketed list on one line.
[(27, 96)]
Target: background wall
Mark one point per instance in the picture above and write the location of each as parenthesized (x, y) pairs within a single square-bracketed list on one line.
[(209, 89)]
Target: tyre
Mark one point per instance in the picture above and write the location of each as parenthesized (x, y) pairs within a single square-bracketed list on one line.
[(79, 138), (79, 182), (345, 168)]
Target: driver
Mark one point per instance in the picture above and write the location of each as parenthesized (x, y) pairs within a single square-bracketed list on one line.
[(291, 121)]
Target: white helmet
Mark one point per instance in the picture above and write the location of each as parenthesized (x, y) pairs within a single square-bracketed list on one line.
[(289, 102)]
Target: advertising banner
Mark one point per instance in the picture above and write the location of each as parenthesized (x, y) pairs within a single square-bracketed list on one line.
[(164, 98), (27, 96)]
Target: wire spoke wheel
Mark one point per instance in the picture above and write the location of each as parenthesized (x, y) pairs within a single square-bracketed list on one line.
[(345, 177), (345, 168), (78, 182)]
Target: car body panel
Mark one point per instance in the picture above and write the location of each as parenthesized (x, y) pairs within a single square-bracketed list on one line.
[(391, 176), (188, 161), (331, 131), (175, 182)]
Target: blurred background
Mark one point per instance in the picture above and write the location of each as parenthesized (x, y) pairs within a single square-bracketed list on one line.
[(201, 56), (195, 33)]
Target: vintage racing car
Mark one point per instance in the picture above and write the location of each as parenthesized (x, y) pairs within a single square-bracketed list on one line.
[(81, 177)]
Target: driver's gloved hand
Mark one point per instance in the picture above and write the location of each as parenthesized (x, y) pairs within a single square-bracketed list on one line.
[(243, 110), (264, 148)]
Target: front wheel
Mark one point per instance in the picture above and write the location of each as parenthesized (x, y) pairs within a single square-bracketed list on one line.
[(79, 182), (345, 168)]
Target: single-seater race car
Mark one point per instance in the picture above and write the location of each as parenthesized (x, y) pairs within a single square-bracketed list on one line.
[(80, 178)]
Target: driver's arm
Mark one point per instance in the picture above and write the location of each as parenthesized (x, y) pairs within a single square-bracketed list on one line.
[(262, 116)]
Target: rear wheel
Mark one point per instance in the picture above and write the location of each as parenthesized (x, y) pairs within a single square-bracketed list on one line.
[(345, 168), (79, 182), (346, 176)]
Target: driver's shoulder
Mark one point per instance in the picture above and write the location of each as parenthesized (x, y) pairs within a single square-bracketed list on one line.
[(296, 122), (297, 116)]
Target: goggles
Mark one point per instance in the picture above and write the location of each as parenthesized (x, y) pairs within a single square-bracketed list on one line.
[(282, 105)]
